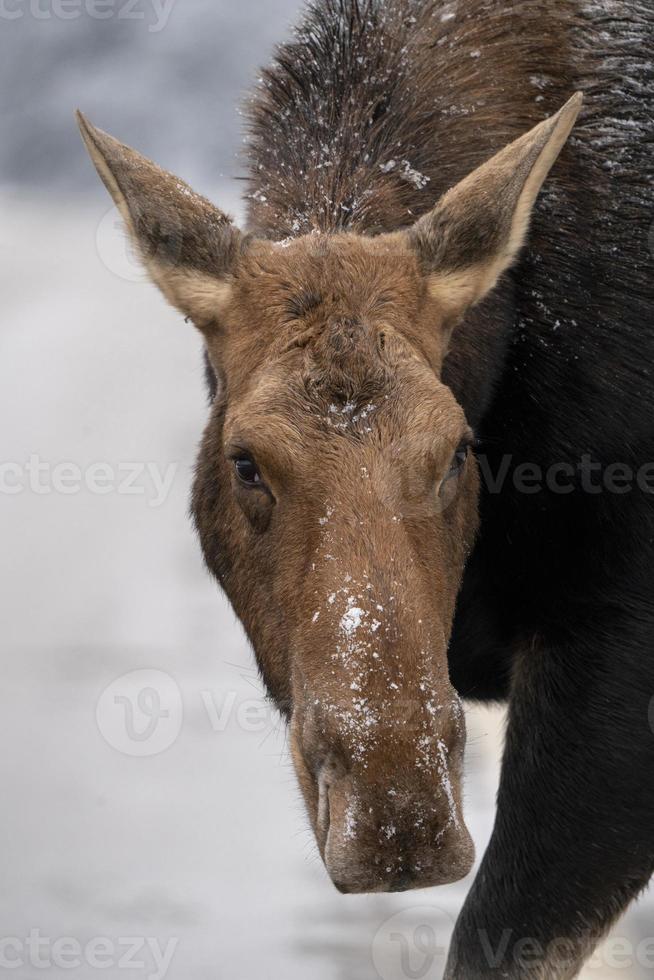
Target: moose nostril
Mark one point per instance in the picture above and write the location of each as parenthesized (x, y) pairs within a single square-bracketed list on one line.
[(329, 772), (323, 818), (330, 769)]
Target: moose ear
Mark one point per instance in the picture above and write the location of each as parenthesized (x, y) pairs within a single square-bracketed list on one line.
[(187, 245), (478, 227)]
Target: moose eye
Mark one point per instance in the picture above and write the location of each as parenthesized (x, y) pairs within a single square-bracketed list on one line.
[(458, 460), (247, 471)]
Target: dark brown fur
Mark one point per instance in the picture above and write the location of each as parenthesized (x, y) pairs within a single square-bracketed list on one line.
[(367, 82)]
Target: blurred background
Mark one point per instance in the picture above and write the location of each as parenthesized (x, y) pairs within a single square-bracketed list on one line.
[(151, 825)]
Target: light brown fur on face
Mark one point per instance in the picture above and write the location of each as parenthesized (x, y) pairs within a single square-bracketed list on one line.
[(357, 549), (343, 558)]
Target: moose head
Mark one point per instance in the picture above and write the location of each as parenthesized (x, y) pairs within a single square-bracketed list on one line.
[(336, 490)]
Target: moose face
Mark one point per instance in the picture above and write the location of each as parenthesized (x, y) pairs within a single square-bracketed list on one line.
[(336, 490), (336, 501)]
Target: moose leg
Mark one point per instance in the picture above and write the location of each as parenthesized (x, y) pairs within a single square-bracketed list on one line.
[(573, 841)]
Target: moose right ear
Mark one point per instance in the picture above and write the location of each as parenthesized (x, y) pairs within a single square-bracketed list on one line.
[(476, 231), (187, 245)]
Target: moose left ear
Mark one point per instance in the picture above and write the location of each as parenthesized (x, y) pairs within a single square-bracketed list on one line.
[(187, 245), (478, 227)]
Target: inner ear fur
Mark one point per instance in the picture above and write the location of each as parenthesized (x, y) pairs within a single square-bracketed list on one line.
[(188, 246), (477, 229)]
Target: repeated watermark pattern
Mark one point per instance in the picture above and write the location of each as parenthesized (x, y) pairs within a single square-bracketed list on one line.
[(118, 253), (155, 481), (415, 943), (43, 477), (148, 955), (154, 13), (587, 475), (141, 713)]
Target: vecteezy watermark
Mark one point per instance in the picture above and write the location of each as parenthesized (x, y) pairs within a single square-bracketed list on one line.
[(585, 475), (621, 953), (141, 713), (402, 489), (118, 253), (100, 953), (564, 953), (255, 715), (413, 944), (155, 13), (42, 477), (115, 250)]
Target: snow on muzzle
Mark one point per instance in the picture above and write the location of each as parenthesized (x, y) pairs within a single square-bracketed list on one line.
[(377, 737), (385, 802)]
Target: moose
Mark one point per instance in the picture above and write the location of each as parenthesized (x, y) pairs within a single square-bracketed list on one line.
[(406, 316)]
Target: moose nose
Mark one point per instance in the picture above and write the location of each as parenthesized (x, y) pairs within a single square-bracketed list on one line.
[(381, 880), (403, 882), (408, 840)]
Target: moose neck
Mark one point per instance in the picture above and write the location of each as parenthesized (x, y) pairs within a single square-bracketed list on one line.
[(476, 361), (340, 126)]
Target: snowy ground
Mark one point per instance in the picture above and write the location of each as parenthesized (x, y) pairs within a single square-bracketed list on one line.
[(203, 845)]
